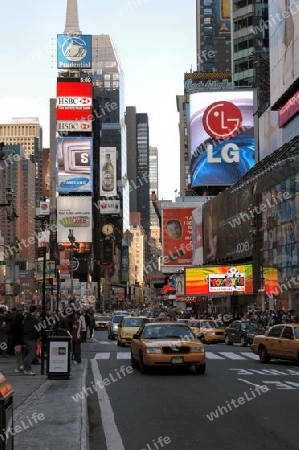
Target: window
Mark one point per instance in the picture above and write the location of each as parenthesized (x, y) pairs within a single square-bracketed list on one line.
[(276, 331)]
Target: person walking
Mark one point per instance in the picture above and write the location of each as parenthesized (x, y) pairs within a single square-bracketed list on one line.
[(31, 334), (83, 322), (92, 324), (18, 340), (77, 338)]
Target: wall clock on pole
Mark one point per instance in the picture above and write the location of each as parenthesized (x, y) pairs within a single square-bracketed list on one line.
[(107, 229)]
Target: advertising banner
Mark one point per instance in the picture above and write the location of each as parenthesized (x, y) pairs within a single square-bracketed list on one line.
[(177, 236), (75, 126), (197, 237), (74, 164), (74, 213), (227, 222), (222, 17), (74, 102), (50, 270), (198, 81), (108, 173), (221, 137), (46, 172), (222, 280), (64, 263), (284, 45), (109, 206), (42, 208), (74, 51)]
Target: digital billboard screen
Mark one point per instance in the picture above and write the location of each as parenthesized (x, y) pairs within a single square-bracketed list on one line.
[(74, 213), (221, 137), (108, 173), (227, 220), (74, 164), (74, 51), (177, 236), (222, 280), (74, 102)]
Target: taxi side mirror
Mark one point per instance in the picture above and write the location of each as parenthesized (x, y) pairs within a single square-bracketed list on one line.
[(136, 336)]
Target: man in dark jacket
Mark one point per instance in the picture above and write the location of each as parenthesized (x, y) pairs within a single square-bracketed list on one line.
[(31, 333)]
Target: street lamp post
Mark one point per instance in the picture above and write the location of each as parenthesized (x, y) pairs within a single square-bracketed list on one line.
[(72, 240)]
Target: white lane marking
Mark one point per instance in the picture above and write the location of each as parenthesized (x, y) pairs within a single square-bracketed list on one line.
[(250, 355), (210, 355), (231, 355), (112, 435), (123, 355), (101, 356)]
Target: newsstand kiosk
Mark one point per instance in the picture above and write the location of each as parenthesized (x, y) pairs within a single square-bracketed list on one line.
[(6, 414)]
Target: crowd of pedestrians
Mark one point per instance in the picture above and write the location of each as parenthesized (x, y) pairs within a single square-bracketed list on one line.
[(21, 333)]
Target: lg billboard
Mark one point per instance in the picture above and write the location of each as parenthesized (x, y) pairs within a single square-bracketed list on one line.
[(221, 137)]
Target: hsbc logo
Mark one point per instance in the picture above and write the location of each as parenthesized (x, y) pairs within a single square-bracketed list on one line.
[(74, 101), (74, 126)]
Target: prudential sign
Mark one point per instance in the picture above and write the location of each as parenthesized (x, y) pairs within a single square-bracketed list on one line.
[(74, 51)]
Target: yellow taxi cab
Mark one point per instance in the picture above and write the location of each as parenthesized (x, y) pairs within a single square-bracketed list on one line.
[(208, 330), (279, 342), (127, 327), (167, 344)]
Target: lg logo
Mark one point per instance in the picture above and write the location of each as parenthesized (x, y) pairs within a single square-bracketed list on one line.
[(229, 153)]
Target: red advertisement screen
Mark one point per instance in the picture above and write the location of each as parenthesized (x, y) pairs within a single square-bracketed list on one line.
[(73, 101), (177, 236)]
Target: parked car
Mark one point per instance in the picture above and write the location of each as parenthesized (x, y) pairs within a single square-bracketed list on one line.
[(280, 341), (113, 326), (208, 330), (167, 344), (127, 327), (101, 321), (242, 332)]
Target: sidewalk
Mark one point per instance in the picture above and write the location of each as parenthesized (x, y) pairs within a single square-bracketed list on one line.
[(46, 416)]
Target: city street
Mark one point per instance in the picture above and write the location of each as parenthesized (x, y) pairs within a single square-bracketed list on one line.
[(226, 408)]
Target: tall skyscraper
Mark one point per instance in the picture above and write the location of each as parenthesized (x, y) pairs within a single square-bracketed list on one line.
[(213, 35), (153, 176), (138, 164)]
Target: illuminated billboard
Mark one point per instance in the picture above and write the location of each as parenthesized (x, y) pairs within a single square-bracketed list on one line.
[(177, 236), (222, 280), (74, 51), (73, 103), (221, 16), (74, 164), (227, 220), (284, 45), (74, 213), (221, 137), (108, 173)]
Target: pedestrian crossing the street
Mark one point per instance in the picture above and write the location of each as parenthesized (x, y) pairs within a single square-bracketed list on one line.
[(236, 356)]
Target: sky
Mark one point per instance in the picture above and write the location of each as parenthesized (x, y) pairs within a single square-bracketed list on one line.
[(154, 39)]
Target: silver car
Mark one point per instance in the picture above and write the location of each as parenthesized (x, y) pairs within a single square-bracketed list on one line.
[(113, 326)]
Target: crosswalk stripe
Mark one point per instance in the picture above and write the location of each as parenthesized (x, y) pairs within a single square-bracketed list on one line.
[(250, 355), (123, 355), (102, 355), (210, 355), (232, 355)]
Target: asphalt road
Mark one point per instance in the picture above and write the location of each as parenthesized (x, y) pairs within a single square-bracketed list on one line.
[(239, 403)]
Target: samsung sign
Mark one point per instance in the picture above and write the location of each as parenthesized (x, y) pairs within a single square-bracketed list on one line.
[(74, 51)]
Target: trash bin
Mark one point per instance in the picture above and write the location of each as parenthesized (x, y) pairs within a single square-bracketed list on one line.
[(59, 355), (6, 414)]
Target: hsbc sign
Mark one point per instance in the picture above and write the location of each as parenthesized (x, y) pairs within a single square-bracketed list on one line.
[(73, 126), (70, 102)]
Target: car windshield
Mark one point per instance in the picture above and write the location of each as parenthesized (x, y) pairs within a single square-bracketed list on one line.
[(117, 319), (251, 326), (296, 331), (168, 331), (102, 318), (207, 324), (133, 322), (218, 324)]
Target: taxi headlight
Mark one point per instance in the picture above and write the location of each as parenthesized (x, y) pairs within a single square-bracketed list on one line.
[(210, 333), (197, 350), (153, 350)]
